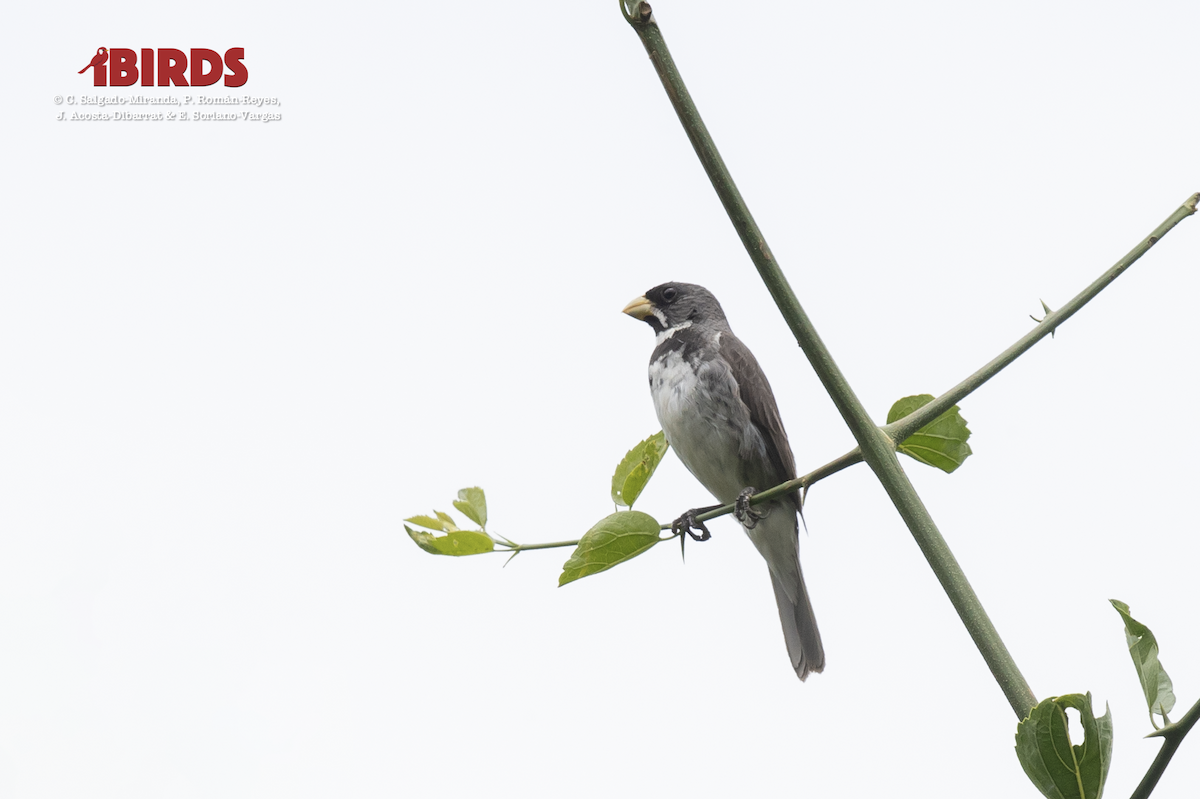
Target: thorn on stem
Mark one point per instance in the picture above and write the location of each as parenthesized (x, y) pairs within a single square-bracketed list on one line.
[(1045, 308)]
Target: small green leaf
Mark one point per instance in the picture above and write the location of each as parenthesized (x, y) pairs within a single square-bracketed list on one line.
[(472, 504), (941, 443), (440, 522), (614, 539), (1058, 769), (459, 542), (1143, 648), (636, 469)]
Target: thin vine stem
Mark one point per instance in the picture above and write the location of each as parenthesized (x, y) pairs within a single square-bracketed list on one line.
[(903, 428), (516, 548)]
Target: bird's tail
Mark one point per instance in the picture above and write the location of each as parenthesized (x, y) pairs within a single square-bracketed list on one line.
[(85, 69), (799, 628)]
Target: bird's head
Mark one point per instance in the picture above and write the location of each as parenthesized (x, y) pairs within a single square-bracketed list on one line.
[(675, 305)]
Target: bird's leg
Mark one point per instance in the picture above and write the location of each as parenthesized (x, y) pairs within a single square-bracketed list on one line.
[(688, 522), (745, 514)]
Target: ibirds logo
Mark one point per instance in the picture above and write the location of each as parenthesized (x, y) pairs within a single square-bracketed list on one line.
[(199, 67)]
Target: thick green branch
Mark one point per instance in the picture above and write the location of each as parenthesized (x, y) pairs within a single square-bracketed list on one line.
[(877, 447)]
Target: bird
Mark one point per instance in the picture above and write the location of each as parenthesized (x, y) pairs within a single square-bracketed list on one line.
[(99, 58), (720, 417)]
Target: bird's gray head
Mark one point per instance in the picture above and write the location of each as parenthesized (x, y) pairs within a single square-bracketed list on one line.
[(675, 305)]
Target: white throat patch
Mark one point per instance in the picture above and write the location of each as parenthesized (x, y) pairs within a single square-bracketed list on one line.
[(670, 331)]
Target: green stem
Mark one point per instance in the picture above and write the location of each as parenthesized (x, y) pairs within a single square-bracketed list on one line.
[(527, 547), (876, 446), (1174, 735), (799, 484), (903, 428)]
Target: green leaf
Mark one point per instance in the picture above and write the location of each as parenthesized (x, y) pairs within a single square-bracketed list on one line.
[(1143, 648), (941, 443), (636, 469), (459, 542), (1058, 769), (614, 539), (439, 522), (472, 504)]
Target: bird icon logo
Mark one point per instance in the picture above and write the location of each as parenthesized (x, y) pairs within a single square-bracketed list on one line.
[(99, 58)]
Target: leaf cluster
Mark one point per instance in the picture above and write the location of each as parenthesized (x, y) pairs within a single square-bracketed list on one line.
[(472, 503)]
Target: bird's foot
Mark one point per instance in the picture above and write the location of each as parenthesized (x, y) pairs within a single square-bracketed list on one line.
[(742, 511), (688, 522)]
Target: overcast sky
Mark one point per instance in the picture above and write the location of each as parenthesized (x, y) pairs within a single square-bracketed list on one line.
[(236, 355)]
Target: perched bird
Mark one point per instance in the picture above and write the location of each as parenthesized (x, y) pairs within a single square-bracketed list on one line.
[(719, 415), (99, 58)]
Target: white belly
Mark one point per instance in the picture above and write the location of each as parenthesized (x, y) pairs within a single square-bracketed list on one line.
[(705, 422)]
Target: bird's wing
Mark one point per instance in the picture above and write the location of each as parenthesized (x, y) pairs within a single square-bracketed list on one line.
[(756, 394)]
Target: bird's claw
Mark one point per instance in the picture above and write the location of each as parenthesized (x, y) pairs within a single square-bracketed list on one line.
[(746, 515), (687, 523)]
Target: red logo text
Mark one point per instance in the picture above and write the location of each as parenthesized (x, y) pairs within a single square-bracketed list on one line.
[(168, 67)]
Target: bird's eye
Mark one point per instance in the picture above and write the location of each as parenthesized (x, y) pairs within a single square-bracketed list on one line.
[(670, 293)]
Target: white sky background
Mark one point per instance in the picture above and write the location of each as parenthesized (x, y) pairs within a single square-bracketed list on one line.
[(235, 356)]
